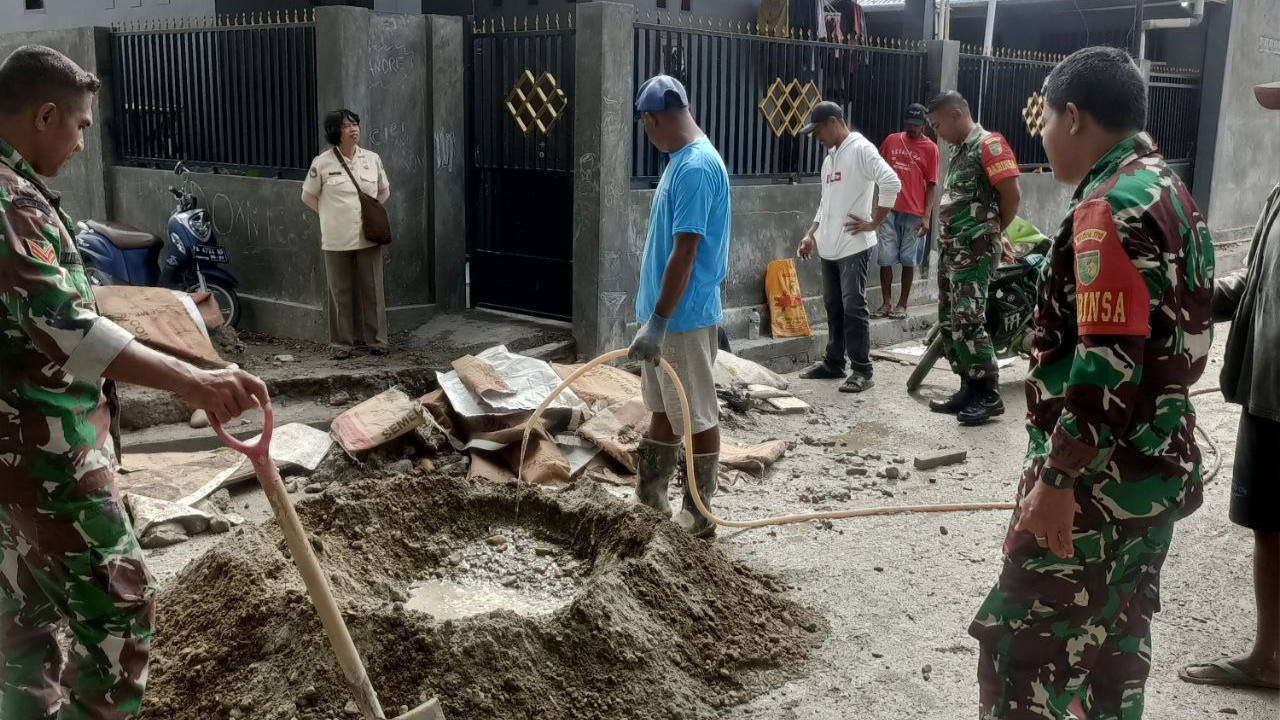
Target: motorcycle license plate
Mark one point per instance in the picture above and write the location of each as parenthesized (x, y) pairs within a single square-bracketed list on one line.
[(209, 253)]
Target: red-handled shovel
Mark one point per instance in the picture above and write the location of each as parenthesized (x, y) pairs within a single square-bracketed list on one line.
[(314, 578)]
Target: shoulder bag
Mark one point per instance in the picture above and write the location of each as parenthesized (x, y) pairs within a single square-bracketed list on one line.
[(373, 215)]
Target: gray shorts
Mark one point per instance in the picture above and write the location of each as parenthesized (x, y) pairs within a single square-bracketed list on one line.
[(693, 355)]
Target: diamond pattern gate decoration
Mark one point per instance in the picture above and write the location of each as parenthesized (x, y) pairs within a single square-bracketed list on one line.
[(786, 106), (536, 103), (1033, 114), (520, 177)]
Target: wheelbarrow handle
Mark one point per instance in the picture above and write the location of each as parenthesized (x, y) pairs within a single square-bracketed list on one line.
[(258, 452)]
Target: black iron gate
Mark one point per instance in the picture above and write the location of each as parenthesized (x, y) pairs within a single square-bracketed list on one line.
[(521, 174)]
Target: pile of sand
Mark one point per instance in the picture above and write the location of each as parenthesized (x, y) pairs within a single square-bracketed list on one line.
[(661, 626)]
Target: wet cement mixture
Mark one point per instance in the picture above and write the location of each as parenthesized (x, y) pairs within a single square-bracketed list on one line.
[(607, 611)]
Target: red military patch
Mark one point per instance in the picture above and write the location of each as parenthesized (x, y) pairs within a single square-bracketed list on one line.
[(998, 159), (1111, 296), (42, 251)]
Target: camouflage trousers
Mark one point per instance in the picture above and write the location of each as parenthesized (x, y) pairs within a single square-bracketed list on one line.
[(965, 271), (68, 555), (1057, 631)]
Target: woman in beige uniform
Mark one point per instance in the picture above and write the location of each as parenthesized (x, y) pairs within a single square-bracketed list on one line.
[(352, 263)]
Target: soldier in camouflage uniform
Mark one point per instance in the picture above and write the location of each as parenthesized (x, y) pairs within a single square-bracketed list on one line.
[(979, 201), (67, 550), (1125, 326)]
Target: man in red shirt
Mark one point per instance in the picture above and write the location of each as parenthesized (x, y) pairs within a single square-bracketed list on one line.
[(902, 236)]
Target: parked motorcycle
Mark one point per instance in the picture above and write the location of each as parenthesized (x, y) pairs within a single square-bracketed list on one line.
[(1011, 301), (189, 259)]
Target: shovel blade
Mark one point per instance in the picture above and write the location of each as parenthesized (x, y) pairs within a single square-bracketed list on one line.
[(429, 710)]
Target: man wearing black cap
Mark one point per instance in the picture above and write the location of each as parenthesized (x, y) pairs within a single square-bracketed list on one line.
[(686, 257), (914, 157), (1251, 378), (843, 233)]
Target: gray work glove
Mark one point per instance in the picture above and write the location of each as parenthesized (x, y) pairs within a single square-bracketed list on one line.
[(648, 343)]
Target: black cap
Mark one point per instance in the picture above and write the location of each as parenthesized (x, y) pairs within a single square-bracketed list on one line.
[(821, 113), (916, 115)]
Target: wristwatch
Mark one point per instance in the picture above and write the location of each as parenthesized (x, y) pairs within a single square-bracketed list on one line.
[(1053, 477)]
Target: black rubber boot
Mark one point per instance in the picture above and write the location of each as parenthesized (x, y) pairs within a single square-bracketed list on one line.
[(706, 473), (985, 403), (656, 465), (955, 403)]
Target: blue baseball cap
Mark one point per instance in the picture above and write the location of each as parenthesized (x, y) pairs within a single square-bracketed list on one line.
[(661, 93)]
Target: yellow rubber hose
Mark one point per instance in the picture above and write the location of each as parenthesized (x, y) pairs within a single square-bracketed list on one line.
[(783, 519), (693, 486)]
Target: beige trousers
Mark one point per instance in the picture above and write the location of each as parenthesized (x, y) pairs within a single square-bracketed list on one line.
[(355, 279)]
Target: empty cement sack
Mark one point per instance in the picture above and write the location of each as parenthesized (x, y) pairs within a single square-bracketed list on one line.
[(163, 319), (786, 302), (376, 421), (481, 378), (754, 459), (731, 369), (617, 430)]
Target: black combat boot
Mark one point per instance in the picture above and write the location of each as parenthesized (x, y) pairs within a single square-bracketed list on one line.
[(984, 404), (955, 403), (706, 474), (656, 463)]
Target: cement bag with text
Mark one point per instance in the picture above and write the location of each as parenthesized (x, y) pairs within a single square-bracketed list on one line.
[(786, 303)]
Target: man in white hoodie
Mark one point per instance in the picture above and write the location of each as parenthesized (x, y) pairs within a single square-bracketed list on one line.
[(843, 233)]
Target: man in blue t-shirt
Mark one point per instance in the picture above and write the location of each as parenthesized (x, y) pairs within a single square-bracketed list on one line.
[(686, 257)]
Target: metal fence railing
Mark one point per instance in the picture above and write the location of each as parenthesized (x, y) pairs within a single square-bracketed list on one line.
[(752, 93), (1173, 113), (998, 90), (233, 93)]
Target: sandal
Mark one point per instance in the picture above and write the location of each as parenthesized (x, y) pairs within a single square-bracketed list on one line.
[(1228, 675), (857, 383), (898, 313), (882, 312)]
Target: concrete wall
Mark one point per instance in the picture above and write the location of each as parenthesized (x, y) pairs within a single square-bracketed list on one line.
[(398, 6), (768, 222), (81, 180), (403, 74), (447, 186), (728, 9), (1044, 201), (272, 239), (1240, 145), (376, 64), (60, 14), (399, 132)]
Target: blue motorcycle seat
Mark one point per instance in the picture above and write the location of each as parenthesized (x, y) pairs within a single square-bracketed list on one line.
[(123, 236)]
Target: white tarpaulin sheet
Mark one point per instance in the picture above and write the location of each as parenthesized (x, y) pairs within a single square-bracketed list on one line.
[(530, 379)]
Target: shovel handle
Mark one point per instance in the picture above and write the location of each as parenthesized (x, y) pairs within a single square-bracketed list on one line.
[(313, 576), (258, 452)]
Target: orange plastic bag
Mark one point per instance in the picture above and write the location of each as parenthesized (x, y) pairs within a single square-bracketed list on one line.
[(786, 303)]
